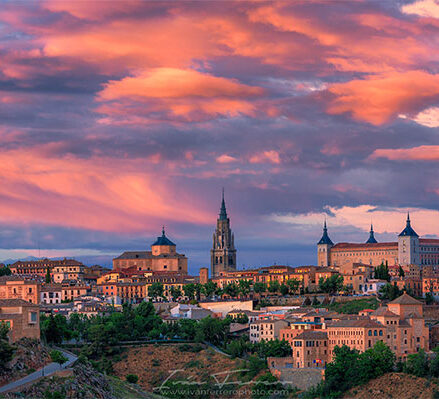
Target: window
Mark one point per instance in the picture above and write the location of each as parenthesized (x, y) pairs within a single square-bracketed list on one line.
[(33, 317)]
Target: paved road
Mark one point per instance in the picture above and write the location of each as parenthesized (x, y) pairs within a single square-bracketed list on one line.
[(48, 370)]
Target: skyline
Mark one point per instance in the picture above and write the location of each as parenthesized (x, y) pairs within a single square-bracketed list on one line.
[(118, 119)]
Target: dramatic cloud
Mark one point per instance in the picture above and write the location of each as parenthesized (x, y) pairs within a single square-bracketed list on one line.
[(118, 117), (377, 99)]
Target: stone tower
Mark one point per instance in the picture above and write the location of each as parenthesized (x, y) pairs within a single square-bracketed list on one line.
[(223, 253), (324, 248), (408, 245)]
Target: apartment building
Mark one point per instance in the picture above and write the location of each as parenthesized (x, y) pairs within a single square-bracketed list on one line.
[(15, 287)]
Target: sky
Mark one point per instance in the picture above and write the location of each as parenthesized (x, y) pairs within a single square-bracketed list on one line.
[(119, 117)]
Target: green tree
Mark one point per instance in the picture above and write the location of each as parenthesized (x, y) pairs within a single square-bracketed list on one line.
[(284, 290), (5, 271), (417, 364), (231, 289), (272, 348), (155, 290), (189, 290), (293, 285), (331, 285), (389, 292), (259, 287), (212, 330), (401, 272), (48, 278), (375, 362), (244, 287), (198, 291), (58, 357), (52, 331), (382, 272), (274, 286), (268, 386), (342, 373), (209, 288), (6, 350), (175, 293)]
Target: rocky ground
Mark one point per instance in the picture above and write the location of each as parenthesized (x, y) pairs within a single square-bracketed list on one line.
[(395, 385), (153, 364), (83, 382), (29, 356)]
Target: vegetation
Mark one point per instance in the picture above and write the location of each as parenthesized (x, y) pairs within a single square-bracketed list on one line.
[(354, 306), (132, 378), (48, 277), (421, 365), (350, 368), (389, 292), (382, 272), (5, 271), (331, 285), (6, 350), (58, 357), (268, 386), (156, 290)]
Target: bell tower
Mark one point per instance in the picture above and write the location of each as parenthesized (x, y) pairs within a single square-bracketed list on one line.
[(223, 252)]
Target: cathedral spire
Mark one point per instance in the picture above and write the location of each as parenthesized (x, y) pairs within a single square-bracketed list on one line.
[(223, 212)]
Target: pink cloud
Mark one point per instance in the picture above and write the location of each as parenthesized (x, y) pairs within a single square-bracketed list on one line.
[(266, 157), (380, 98), (183, 93), (97, 193), (421, 153), (225, 159)]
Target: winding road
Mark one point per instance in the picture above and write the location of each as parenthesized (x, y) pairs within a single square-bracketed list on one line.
[(43, 372)]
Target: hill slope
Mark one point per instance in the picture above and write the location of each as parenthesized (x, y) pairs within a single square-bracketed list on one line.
[(395, 385)]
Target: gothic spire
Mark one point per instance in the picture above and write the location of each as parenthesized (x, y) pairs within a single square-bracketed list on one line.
[(223, 212)]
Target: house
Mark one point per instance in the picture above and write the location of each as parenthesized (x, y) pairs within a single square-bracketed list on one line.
[(22, 318)]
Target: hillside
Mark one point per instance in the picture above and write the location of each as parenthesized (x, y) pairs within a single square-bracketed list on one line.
[(81, 382), (29, 356), (395, 385), (154, 364)]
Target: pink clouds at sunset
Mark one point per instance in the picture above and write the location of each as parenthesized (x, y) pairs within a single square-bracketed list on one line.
[(117, 117), (377, 99), (421, 153)]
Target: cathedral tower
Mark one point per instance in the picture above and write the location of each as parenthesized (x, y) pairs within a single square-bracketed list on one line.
[(223, 253)]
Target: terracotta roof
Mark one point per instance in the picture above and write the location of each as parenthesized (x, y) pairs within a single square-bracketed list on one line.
[(379, 245), (363, 323), (405, 299), (311, 334), (383, 311), (15, 302)]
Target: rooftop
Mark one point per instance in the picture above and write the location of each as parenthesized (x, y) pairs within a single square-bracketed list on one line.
[(359, 323), (312, 334), (15, 302), (405, 299), (163, 240)]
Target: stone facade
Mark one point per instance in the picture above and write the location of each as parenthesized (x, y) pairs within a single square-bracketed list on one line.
[(22, 318), (163, 257), (409, 249), (223, 252), (14, 287)]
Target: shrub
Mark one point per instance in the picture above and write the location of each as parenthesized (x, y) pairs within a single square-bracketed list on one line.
[(155, 362), (132, 378)]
